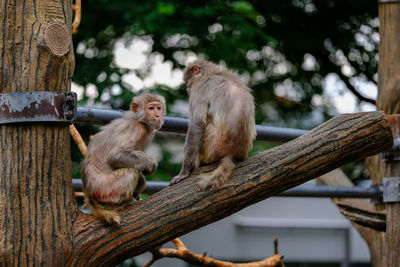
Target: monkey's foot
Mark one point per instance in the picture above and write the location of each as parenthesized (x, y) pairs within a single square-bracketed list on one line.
[(178, 178), (136, 198), (205, 183)]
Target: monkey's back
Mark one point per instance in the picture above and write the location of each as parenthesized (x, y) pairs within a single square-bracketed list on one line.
[(230, 115)]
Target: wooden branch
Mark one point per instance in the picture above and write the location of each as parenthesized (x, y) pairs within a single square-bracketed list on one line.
[(79, 194), (363, 214), (358, 211), (77, 8), (181, 252), (78, 140), (184, 207), (354, 90)]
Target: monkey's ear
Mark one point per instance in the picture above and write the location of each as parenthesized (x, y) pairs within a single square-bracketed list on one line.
[(196, 70), (134, 107)]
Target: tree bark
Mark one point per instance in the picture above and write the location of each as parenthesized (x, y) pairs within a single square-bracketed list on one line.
[(37, 207), (182, 208)]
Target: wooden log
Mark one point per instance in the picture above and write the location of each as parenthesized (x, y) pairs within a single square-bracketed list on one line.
[(184, 207)]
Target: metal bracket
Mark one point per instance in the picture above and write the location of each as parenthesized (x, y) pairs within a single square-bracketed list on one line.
[(41, 106), (391, 189)]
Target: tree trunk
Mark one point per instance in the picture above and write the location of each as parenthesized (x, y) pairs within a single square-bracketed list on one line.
[(37, 207)]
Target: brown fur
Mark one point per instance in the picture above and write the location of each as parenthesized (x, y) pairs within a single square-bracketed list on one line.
[(222, 127), (114, 168)]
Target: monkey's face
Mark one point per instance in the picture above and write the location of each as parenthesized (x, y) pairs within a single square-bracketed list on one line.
[(154, 113)]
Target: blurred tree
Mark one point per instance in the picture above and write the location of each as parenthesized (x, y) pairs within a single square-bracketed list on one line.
[(286, 51)]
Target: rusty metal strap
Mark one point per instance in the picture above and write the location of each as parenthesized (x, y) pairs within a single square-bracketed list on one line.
[(42, 106)]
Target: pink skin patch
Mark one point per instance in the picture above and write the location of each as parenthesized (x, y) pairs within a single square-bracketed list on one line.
[(106, 198)]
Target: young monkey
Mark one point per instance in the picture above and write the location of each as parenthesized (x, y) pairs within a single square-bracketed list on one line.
[(221, 127), (114, 168)]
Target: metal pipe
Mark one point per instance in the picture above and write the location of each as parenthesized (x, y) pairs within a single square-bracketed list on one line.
[(333, 191), (290, 223), (300, 191), (101, 116), (98, 116)]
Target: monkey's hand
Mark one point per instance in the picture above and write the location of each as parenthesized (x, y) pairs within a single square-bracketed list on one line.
[(150, 167), (180, 177)]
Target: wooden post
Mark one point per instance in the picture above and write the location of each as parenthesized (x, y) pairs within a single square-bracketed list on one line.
[(391, 256), (389, 58), (384, 246), (37, 207), (389, 101)]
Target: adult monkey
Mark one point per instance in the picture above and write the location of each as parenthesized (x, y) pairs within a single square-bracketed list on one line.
[(114, 168), (221, 128)]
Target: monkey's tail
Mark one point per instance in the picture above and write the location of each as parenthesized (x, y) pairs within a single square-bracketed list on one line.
[(102, 214), (219, 176)]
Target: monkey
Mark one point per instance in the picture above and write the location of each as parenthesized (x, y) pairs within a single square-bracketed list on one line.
[(114, 168), (221, 125)]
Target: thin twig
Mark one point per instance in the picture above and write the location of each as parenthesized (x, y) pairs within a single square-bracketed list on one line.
[(181, 252), (77, 7), (78, 140), (82, 148)]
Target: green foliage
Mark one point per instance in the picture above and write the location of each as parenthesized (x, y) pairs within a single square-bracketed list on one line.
[(285, 49)]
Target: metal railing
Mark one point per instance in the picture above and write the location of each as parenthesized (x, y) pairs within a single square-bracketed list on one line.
[(299, 191), (99, 116)]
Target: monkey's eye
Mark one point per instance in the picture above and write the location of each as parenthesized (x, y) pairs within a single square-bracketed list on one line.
[(159, 108), (150, 107)]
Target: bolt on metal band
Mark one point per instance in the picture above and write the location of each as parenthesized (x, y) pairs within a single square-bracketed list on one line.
[(391, 189)]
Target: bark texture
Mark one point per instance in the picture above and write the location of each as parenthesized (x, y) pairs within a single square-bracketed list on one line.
[(37, 207)]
